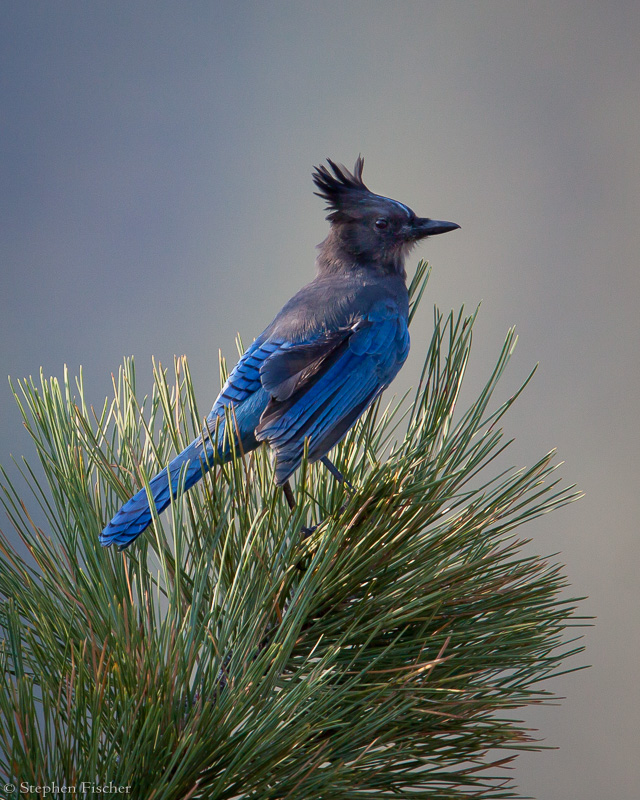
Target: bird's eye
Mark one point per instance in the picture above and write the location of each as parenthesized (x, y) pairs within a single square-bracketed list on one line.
[(381, 223)]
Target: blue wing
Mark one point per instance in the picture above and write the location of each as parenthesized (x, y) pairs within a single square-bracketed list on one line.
[(319, 389), (244, 379), (243, 390)]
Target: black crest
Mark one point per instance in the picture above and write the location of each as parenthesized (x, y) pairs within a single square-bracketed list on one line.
[(339, 187)]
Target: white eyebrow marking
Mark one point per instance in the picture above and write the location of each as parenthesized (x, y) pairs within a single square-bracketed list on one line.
[(397, 203)]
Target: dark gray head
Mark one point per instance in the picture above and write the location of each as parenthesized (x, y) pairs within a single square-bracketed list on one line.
[(367, 229)]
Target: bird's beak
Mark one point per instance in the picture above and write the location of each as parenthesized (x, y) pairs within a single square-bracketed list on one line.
[(422, 227)]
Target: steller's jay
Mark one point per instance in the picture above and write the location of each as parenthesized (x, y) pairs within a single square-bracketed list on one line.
[(331, 350)]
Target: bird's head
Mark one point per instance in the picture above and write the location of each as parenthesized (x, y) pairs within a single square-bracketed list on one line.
[(367, 229)]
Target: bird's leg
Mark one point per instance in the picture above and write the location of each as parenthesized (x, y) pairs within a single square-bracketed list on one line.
[(348, 486), (337, 474), (288, 493)]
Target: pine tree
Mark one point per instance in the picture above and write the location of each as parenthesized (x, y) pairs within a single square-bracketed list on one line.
[(225, 655)]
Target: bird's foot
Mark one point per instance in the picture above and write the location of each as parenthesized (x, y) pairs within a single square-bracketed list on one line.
[(307, 531)]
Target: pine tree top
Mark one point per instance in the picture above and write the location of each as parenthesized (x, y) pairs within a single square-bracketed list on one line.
[(224, 656)]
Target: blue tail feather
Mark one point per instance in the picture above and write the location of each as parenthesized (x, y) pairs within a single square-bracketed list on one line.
[(135, 515)]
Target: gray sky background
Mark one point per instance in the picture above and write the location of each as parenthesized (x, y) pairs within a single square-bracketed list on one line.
[(156, 198)]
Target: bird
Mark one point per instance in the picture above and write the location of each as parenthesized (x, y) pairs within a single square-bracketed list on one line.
[(327, 355)]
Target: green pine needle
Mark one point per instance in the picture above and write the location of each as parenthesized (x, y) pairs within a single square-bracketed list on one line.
[(224, 656)]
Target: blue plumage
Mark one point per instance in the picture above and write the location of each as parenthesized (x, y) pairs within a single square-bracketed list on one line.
[(331, 350)]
